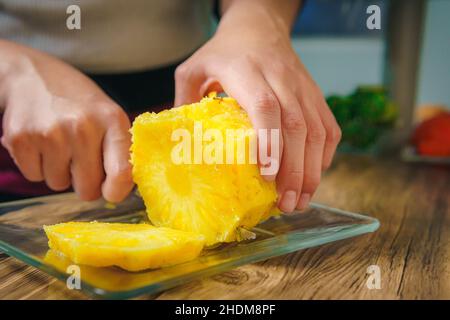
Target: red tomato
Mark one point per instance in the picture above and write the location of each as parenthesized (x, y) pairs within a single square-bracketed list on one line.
[(432, 137)]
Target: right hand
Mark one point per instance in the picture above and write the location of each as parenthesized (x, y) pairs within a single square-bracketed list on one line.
[(61, 128)]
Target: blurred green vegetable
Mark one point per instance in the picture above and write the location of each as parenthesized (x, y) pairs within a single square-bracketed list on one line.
[(340, 106), (363, 115)]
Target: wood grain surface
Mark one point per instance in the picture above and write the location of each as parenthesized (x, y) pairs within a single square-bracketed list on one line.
[(412, 246)]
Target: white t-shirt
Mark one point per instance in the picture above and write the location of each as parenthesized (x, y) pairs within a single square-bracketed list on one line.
[(115, 35)]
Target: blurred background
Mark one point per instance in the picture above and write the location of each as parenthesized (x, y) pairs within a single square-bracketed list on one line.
[(404, 67), (331, 37)]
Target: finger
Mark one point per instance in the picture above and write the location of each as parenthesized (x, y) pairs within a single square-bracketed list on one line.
[(248, 86), (116, 146), (290, 177), (333, 134), (314, 148), (86, 166), (56, 162), (188, 84), (26, 157)]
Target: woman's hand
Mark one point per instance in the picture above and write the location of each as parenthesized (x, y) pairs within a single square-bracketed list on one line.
[(60, 127), (251, 59)]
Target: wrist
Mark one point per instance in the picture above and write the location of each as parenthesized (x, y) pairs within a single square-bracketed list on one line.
[(13, 69), (254, 16)]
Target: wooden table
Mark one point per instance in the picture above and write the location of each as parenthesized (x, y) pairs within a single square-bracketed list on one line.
[(411, 248)]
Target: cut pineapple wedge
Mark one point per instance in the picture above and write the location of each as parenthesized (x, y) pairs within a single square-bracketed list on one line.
[(132, 247), (214, 199)]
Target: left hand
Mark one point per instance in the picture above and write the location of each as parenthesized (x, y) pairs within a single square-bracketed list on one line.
[(254, 62)]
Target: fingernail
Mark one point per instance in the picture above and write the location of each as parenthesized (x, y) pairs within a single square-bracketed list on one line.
[(304, 201), (289, 201)]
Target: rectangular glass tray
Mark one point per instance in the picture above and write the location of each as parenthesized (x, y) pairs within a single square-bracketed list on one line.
[(22, 237)]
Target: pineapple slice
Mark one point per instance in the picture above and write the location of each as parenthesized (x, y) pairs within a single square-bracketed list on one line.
[(212, 199), (132, 247)]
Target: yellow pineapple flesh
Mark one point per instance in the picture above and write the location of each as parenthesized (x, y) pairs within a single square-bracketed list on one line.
[(132, 247), (211, 199)]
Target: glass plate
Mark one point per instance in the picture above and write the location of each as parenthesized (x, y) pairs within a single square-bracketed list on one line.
[(22, 236)]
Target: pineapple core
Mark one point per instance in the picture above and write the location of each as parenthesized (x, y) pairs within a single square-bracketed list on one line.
[(189, 166)]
